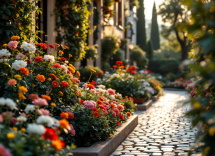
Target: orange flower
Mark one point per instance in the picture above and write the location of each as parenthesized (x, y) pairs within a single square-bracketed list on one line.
[(61, 93), (15, 38), (12, 82), (46, 97), (23, 89), (58, 144), (61, 52), (53, 104), (92, 70), (64, 115), (57, 44), (78, 73), (112, 105), (64, 123), (71, 69), (21, 95), (24, 71), (33, 96), (65, 46), (122, 67), (41, 78)]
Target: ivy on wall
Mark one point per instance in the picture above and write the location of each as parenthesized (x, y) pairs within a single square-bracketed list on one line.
[(72, 26), (17, 18)]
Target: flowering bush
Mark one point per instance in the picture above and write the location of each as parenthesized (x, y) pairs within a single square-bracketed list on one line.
[(91, 52), (178, 83)]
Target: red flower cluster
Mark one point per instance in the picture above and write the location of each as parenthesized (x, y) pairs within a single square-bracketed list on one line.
[(99, 102), (56, 65), (53, 75), (55, 84), (128, 113), (38, 59), (93, 83), (90, 86), (100, 73), (42, 45), (118, 123), (121, 116), (96, 114), (51, 46), (71, 115), (64, 84), (131, 70), (148, 70), (62, 59), (119, 63), (95, 109), (50, 134)]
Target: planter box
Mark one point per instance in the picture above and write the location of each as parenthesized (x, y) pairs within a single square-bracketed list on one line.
[(144, 106), (175, 89), (106, 148), (156, 97)]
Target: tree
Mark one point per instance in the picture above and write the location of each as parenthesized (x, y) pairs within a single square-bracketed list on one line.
[(155, 36), (149, 50), (141, 30), (174, 13)]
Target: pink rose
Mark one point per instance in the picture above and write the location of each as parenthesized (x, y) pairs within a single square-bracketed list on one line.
[(84, 85), (120, 107), (92, 90), (116, 110), (13, 120), (111, 91), (40, 102), (114, 114), (72, 130), (4, 151), (89, 104), (1, 118), (44, 112), (12, 44), (20, 56)]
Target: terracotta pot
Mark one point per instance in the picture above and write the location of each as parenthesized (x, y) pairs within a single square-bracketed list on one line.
[(139, 100)]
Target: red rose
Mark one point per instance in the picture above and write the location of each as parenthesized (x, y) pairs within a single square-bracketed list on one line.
[(55, 84), (96, 114), (93, 83), (64, 84), (71, 115), (67, 15), (51, 46), (18, 25), (100, 73), (56, 65), (118, 123), (38, 59), (50, 134), (95, 109), (119, 63), (28, 61), (53, 75), (90, 86), (121, 117), (132, 72), (132, 67), (128, 113), (62, 59)]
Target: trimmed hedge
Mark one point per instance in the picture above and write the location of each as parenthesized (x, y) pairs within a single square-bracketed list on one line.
[(164, 67)]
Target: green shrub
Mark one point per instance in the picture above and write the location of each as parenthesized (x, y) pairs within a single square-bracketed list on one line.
[(164, 67), (117, 57), (85, 73)]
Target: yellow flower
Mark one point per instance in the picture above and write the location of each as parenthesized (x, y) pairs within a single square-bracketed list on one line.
[(10, 135), (21, 95), (92, 70), (196, 105), (53, 104), (18, 77), (23, 88), (23, 129), (15, 128), (212, 131), (61, 52), (4, 45), (15, 38)]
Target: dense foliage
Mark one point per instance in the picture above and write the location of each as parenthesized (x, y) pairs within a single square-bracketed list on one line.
[(86, 73), (72, 19), (91, 52)]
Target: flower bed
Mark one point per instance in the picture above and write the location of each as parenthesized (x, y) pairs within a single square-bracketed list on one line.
[(178, 83), (41, 99)]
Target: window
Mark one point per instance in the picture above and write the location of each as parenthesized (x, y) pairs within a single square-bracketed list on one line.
[(120, 13)]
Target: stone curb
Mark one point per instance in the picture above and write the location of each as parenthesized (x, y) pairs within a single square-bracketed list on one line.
[(105, 148), (174, 89), (144, 106)]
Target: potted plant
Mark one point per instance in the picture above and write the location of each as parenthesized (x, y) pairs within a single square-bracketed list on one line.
[(140, 96)]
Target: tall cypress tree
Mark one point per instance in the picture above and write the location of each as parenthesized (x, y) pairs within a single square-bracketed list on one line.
[(149, 50), (141, 30), (154, 36)]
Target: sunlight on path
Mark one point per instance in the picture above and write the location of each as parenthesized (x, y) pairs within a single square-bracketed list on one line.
[(162, 129)]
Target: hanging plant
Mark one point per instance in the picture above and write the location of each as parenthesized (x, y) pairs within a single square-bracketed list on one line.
[(72, 17), (91, 52), (16, 19)]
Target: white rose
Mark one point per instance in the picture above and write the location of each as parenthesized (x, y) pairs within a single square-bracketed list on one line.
[(21, 119), (29, 108), (4, 60), (49, 58), (10, 103), (112, 97), (4, 52), (18, 64), (101, 86), (27, 47), (45, 120), (2, 101), (64, 68), (36, 129)]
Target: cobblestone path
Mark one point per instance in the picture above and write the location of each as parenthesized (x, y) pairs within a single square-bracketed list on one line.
[(162, 129)]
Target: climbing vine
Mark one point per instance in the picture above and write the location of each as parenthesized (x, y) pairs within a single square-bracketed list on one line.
[(72, 25), (17, 18)]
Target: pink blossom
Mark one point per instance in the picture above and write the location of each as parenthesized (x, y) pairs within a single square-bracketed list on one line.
[(120, 107), (115, 102), (106, 113), (207, 94), (116, 110), (7, 114), (106, 103), (4, 151), (72, 130), (84, 85), (111, 91), (67, 109), (1, 118), (44, 112), (70, 75), (12, 44), (20, 56), (89, 104), (93, 103), (92, 90), (40, 102), (103, 97), (106, 106), (97, 93), (114, 114), (13, 120)]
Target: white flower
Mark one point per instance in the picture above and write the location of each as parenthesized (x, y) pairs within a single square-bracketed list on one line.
[(45, 120), (49, 58), (18, 64), (119, 95), (36, 129), (83, 94), (150, 90), (29, 108), (102, 91), (27, 46), (141, 72), (4, 60), (99, 80), (56, 122), (64, 68), (4, 52), (21, 119), (129, 76), (112, 97), (2, 101), (10, 103), (101, 86)]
